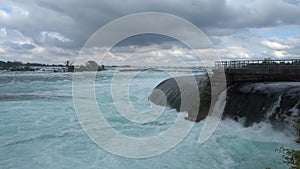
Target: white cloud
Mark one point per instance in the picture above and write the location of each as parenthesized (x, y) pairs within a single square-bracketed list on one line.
[(4, 15), (20, 11), (2, 50), (54, 35), (3, 32), (280, 54), (235, 52), (39, 50), (148, 56), (15, 13), (274, 45), (58, 29)]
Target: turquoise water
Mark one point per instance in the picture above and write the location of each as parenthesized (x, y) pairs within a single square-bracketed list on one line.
[(39, 129)]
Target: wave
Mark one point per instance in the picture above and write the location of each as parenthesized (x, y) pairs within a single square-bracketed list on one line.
[(24, 97), (43, 137)]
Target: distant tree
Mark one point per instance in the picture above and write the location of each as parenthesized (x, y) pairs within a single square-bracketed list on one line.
[(2, 65), (267, 60), (70, 67), (68, 63)]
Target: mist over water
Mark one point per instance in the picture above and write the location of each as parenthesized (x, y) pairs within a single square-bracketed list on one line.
[(39, 128)]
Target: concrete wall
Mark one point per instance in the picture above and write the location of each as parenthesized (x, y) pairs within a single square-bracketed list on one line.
[(260, 74)]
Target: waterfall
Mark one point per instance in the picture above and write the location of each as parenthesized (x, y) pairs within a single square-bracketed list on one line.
[(213, 118), (253, 102)]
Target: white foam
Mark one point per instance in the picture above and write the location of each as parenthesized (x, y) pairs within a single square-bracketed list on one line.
[(230, 146)]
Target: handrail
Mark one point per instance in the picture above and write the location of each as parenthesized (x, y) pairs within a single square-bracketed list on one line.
[(238, 64)]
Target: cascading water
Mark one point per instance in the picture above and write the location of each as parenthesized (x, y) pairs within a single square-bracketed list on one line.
[(39, 129), (254, 102), (257, 102)]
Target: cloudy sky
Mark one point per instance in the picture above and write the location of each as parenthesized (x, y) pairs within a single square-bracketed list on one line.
[(52, 31)]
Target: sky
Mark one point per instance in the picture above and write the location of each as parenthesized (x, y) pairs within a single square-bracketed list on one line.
[(49, 31)]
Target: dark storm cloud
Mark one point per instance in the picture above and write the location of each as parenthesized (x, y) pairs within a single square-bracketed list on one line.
[(16, 46), (77, 20), (68, 24), (149, 39)]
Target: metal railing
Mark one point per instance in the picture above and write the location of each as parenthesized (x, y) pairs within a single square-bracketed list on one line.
[(240, 64)]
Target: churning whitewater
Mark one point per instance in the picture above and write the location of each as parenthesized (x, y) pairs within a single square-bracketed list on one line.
[(39, 128)]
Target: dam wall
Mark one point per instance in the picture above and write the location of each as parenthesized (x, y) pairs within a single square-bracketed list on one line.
[(256, 91), (258, 71), (247, 103)]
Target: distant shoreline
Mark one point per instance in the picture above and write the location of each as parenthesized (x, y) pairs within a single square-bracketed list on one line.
[(17, 66)]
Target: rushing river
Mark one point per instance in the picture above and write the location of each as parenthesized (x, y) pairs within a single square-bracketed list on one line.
[(39, 128)]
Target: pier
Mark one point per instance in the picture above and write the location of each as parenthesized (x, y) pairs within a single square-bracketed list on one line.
[(240, 71)]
